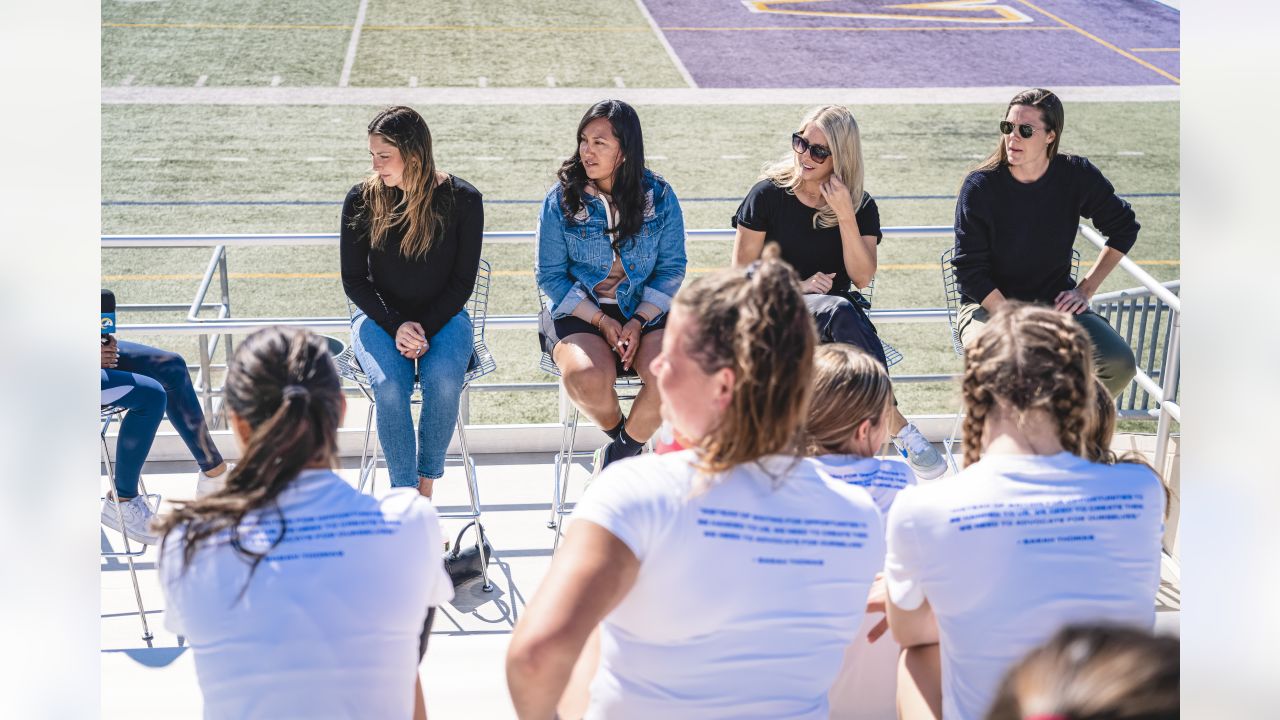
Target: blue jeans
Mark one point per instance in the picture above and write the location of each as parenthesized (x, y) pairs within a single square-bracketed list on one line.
[(440, 373), (145, 401), (182, 406)]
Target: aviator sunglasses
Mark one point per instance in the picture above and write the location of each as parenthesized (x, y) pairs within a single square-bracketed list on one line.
[(819, 153), (1025, 130)]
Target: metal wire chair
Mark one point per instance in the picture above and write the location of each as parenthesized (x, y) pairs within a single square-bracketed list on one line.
[(110, 413), (891, 354), (482, 363), (626, 386)]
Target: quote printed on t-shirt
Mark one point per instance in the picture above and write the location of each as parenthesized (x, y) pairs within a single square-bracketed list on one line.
[(299, 531), (1034, 515), (794, 532)]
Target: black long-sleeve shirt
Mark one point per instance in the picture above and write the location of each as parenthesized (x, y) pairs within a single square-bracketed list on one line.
[(392, 289), (1016, 237)]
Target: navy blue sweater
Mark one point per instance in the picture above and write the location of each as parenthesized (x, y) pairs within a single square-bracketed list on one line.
[(1016, 237)]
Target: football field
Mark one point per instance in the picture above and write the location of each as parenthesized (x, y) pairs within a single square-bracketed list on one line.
[(269, 131)]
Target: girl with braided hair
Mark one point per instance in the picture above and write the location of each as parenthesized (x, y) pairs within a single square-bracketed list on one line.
[(289, 585), (723, 577), (1030, 535)]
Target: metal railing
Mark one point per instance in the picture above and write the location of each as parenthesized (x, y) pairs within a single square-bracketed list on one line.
[(1147, 316)]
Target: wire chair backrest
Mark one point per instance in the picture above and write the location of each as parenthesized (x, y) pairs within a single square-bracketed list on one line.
[(951, 290)]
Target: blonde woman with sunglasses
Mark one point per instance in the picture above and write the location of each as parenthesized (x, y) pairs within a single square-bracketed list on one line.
[(1016, 219), (813, 205)]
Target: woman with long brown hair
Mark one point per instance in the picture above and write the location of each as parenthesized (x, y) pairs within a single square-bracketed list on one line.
[(1031, 534), (723, 578), (1016, 220), (410, 247), (609, 258), (289, 585)]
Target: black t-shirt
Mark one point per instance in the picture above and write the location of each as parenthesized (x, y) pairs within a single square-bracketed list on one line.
[(785, 220), (392, 289)]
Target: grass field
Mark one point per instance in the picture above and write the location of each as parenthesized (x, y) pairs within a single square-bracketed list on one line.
[(313, 154), (289, 166), (590, 43)]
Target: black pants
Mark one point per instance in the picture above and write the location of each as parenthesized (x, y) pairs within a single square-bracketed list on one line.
[(840, 320)]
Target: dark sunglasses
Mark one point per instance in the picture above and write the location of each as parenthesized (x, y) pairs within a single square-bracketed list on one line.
[(819, 153), (1025, 130)]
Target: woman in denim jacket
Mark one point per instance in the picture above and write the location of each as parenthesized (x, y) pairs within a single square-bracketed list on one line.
[(610, 257)]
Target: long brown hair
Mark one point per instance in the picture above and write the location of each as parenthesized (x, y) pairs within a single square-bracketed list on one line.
[(1097, 446), (1051, 115), (755, 324), (283, 383), (1094, 673), (1031, 358), (409, 205), (849, 387)]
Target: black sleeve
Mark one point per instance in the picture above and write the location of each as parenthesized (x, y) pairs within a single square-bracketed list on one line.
[(757, 207), (1111, 214), (868, 218), (353, 249), (972, 258), (466, 260), (426, 633)]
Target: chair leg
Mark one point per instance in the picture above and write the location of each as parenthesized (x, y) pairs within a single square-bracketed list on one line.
[(950, 442), (124, 536), (473, 489), (566, 446), (368, 467), (562, 479)]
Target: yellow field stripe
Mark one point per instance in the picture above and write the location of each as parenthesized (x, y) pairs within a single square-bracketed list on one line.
[(1102, 42), (496, 273), (409, 28), (776, 28)]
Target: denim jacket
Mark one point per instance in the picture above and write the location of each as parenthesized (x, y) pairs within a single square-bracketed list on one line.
[(573, 256)]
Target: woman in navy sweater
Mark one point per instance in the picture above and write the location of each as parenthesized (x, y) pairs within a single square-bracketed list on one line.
[(1016, 220)]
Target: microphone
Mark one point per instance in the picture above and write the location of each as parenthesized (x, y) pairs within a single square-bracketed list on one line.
[(108, 314)]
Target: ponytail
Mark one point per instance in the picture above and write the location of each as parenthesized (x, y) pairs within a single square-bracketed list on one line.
[(284, 385), (757, 325)]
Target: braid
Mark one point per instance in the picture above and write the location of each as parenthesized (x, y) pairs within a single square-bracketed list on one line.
[(1030, 358)]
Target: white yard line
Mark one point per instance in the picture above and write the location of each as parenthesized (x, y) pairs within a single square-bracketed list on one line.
[(617, 81), (345, 79), (662, 38), (413, 81), (275, 81), (171, 95), (200, 81)]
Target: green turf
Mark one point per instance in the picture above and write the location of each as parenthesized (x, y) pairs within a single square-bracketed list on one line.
[(440, 42), (276, 142)]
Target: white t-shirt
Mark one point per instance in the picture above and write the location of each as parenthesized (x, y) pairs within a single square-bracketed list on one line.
[(330, 623), (883, 478), (866, 686), (1015, 547), (747, 593)]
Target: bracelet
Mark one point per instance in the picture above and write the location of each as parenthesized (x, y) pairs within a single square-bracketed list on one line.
[(638, 316), (595, 320)]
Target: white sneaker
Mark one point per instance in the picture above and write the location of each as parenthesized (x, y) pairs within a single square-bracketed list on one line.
[(137, 518), (206, 485), (925, 460), (598, 462)]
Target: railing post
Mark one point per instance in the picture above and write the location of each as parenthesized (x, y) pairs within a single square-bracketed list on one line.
[(1168, 385)]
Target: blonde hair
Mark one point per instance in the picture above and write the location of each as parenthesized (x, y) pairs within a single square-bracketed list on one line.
[(849, 387), (756, 324), (1030, 358), (1094, 673), (403, 128), (841, 129)]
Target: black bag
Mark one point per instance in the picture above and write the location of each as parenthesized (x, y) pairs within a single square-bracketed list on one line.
[(464, 565)]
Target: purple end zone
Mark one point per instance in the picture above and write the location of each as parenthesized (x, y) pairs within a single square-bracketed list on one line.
[(724, 44)]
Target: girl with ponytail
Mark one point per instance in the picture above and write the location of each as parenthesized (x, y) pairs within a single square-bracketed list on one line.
[(721, 577), (1030, 535), (285, 581)]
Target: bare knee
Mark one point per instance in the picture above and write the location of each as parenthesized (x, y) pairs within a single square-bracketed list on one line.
[(588, 379)]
